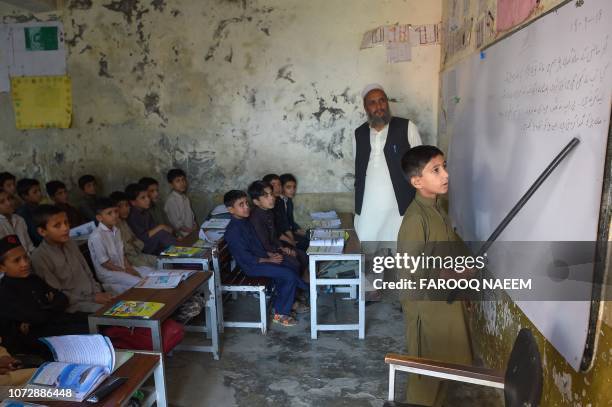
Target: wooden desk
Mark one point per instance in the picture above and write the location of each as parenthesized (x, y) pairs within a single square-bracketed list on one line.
[(172, 299), (351, 252), (138, 369)]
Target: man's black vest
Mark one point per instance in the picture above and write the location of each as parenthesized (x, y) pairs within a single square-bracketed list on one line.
[(395, 148)]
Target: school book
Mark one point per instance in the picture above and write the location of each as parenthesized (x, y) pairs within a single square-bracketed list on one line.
[(182, 251), (215, 223), (211, 235), (82, 232), (81, 363), (134, 309), (219, 209), (325, 249), (319, 234), (164, 279), (323, 215), (326, 223)]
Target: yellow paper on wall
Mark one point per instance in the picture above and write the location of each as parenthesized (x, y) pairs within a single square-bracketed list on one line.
[(42, 101)]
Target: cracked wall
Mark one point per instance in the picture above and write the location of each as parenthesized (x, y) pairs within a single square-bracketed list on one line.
[(228, 90)]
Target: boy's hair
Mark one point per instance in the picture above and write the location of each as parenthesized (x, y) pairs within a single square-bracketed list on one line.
[(175, 173), (86, 179), (270, 177), (8, 243), (119, 196), (284, 178), (43, 213), (24, 185), (417, 158), (148, 181), (232, 196), (133, 190), (53, 186), (257, 189), (102, 204), (6, 176)]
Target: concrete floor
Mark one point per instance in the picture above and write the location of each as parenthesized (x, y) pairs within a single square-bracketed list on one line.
[(287, 368)]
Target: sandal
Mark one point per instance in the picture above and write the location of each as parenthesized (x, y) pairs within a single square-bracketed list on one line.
[(284, 320)]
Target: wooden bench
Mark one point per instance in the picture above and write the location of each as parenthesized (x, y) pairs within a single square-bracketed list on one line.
[(234, 281)]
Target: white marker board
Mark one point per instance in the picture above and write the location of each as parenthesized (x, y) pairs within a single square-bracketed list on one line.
[(511, 113)]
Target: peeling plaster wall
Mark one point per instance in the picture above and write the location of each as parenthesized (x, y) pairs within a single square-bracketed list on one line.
[(227, 90), (494, 325)]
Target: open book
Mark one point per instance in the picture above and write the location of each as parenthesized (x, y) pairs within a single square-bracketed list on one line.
[(82, 362), (165, 279)]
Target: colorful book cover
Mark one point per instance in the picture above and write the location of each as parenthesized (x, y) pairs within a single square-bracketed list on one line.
[(134, 309), (182, 251)]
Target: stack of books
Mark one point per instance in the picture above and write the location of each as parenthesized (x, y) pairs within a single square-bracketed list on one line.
[(213, 229), (327, 241), (325, 220)]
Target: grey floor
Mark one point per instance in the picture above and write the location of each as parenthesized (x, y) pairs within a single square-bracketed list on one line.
[(287, 368)]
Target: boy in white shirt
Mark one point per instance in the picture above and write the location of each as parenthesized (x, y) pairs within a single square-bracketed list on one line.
[(107, 253), (178, 207)]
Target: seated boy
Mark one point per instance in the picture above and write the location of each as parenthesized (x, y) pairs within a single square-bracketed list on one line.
[(8, 182), (262, 219), (178, 206), (29, 191), (113, 269), (11, 223), (280, 213), (155, 237), (289, 188), (29, 307), (59, 195), (435, 329), (88, 186), (132, 246), (254, 261), (60, 263), (156, 208)]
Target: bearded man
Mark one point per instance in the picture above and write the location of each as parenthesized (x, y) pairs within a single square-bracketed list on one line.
[(381, 192)]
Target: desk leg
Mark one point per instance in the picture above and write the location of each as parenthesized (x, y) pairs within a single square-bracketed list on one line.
[(212, 318), (156, 337), (312, 268), (93, 326), (391, 383), (362, 298), (160, 383)]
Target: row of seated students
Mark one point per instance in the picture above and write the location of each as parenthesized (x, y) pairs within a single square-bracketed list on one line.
[(175, 212), (49, 289), (266, 241)]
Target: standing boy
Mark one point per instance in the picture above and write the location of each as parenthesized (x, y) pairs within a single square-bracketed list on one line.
[(60, 263), (88, 186), (29, 191), (254, 261), (155, 237), (435, 329), (58, 193), (178, 206), (11, 223), (113, 269)]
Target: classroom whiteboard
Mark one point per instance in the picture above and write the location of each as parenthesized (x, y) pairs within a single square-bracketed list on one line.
[(511, 110)]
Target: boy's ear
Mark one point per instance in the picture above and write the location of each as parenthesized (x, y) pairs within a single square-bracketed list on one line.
[(98, 217), (416, 182), (231, 209), (42, 231)]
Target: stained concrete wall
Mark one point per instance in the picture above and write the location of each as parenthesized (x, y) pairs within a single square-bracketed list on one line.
[(494, 325), (227, 90)]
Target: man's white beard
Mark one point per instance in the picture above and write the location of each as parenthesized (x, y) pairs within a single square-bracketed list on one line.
[(376, 121)]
